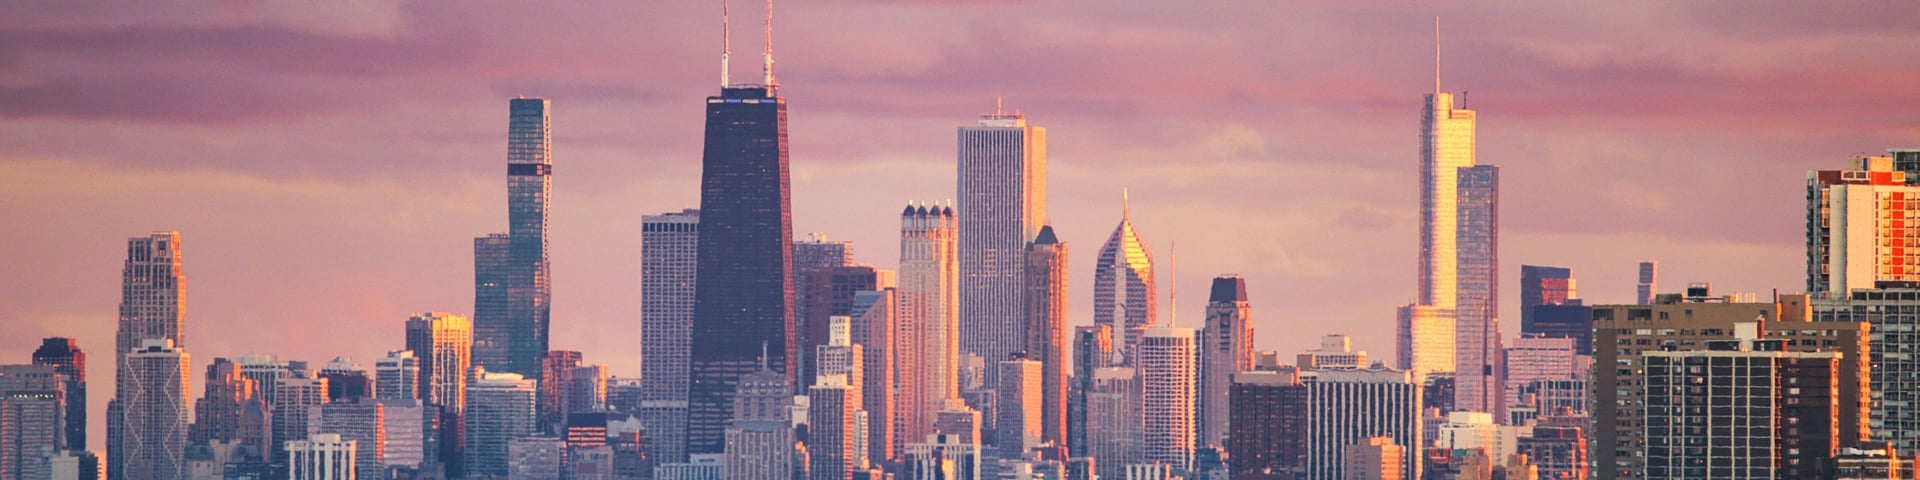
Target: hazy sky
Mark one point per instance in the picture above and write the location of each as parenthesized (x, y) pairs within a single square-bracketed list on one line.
[(328, 163)]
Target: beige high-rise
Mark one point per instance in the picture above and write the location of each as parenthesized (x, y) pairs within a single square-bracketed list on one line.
[(927, 349)]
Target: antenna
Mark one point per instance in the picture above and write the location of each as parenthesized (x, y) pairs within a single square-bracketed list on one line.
[(769, 50), (997, 111), (1173, 319), (1436, 56), (763, 354), (1126, 207), (726, 43)]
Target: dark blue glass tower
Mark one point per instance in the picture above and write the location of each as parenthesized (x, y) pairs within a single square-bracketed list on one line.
[(743, 302), (512, 297)]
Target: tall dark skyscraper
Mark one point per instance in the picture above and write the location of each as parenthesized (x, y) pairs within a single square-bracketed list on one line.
[(1046, 329), (512, 295), (64, 355), (744, 302), (1543, 285)]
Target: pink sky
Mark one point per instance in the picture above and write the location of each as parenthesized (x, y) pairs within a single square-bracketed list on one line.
[(329, 163)]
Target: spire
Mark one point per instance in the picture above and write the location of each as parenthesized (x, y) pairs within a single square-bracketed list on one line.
[(763, 355), (1436, 55), (726, 44), (1173, 263), (1126, 207), (769, 50)]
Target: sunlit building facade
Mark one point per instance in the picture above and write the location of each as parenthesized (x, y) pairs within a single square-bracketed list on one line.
[(928, 343), (1124, 297), (1002, 203), (513, 338)]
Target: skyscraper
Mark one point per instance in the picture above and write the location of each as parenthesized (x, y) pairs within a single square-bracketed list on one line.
[(293, 395), (64, 355), (1773, 412), (832, 439), (759, 439), (1269, 427), (153, 305), (1476, 311), (500, 408), (1092, 350), (1424, 340), (346, 379), (871, 321), (1346, 406), (830, 291), (397, 376), (1446, 147), (31, 406), (444, 343), (928, 337), (1541, 285), (745, 266), (218, 414), (810, 315), (1852, 216), (1123, 292), (1002, 205), (556, 369), (154, 437), (1226, 348), (669, 253), (1535, 358), (1113, 433), (1046, 329), (1649, 276), (1018, 427), (1166, 366), (362, 420), (322, 456), (511, 339)]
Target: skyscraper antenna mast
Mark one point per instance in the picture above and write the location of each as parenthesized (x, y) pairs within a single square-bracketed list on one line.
[(769, 50), (1173, 251), (1436, 55), (726, 44)]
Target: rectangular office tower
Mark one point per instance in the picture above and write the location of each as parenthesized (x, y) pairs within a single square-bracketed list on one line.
[(669, 253), (1002, 204), (64, 355), (512, 295), (1046, 329), (1477, 285), (153, 305), (744, 305), (1226, 348), (1348, 406), (1740, 409), (154, 437)]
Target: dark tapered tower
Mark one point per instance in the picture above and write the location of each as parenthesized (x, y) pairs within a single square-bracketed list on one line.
[(512, 297), (745, 261), (64, 355)]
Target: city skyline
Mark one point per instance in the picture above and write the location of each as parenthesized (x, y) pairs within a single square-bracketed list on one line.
[(231, 264)]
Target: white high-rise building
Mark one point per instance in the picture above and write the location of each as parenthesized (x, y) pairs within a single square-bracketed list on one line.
[(1167, 400), (1226, 348), (1349, 406), (927, 348), (1853, 216), (153, 305), (669, 249), (834, 442), (397, 376), (500, 408), (1123, 286), (1002, 204), (156, 402), (322, 456)]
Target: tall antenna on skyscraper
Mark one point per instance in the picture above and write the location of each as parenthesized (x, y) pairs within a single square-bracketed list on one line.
[(726, 44), (769, 50), (1173, 251), (1436, 55)]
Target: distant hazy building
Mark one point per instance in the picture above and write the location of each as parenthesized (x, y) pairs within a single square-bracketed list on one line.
[(64, 355), (293, 395), (759, 441), (32, 404), (871, 324), (1336, 351), (1046, 329), (1269, 423), (1165, 361), (1425, 340), (811, 313), (1375, 458), (1124, 297), (833, 447), (1852, 216), (346, 380), (927, 345), (1476, 312), (556, 373), (535, 458), (1572, 320), (1347, 406), (500, 408), (411, 429), (1017, 427), (1092, 350), (1649, 281), (669, 248), (942, 457), (1544, 285), (155, 431), (1533, 358), (513, 298), (361, 420), (831, 293), (743, 309), (1560, 451), (221, 412), (444, 344), (1226, 348), (397, 376), (1113, 434), (322, 456), (1002, 185)]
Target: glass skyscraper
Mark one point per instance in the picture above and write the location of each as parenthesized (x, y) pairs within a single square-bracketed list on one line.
[(744, 305), (512, 297), (1476, 286)]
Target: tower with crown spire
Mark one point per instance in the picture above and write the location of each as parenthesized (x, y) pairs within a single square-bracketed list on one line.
[(1124, 297)]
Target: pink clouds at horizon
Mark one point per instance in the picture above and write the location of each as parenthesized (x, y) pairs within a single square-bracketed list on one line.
[(329, 164)]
